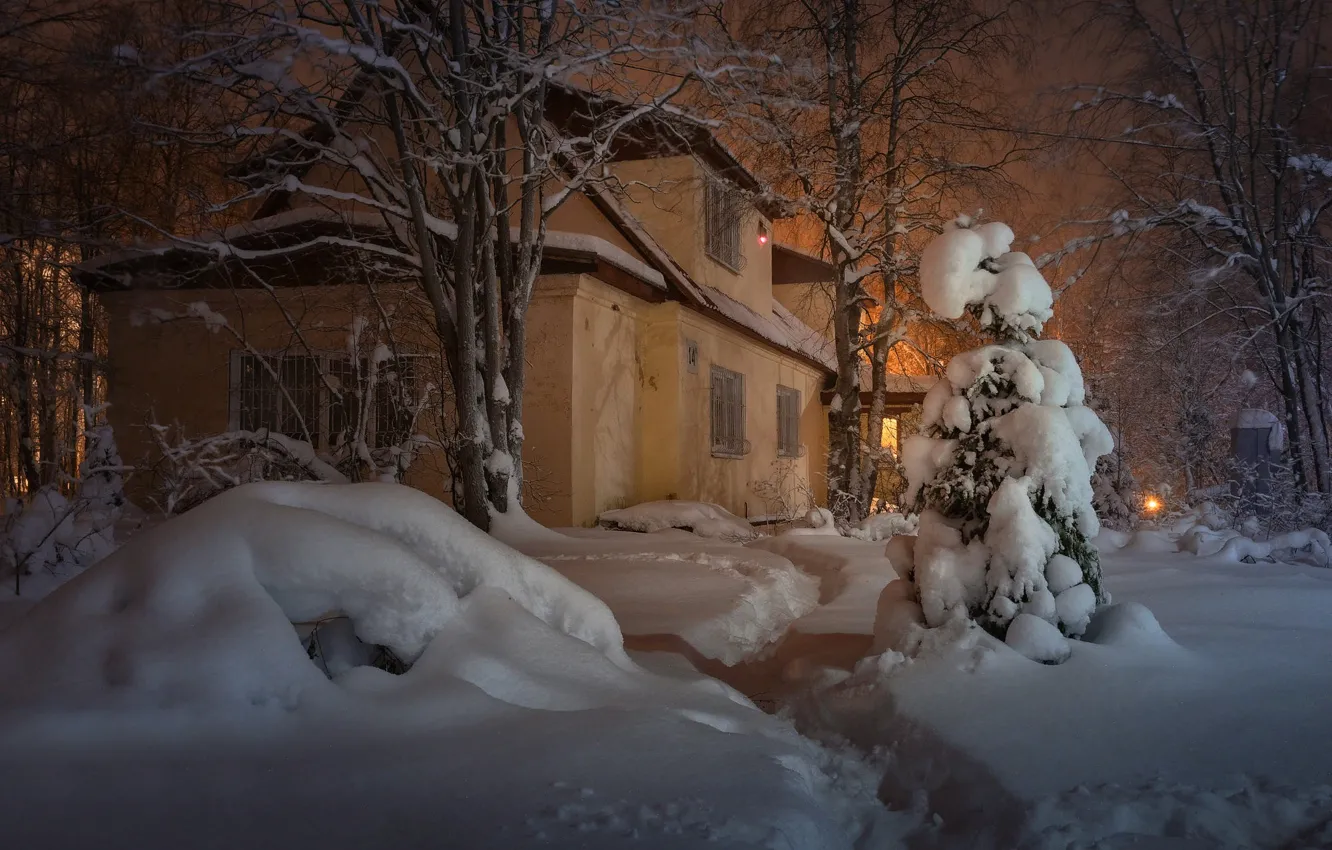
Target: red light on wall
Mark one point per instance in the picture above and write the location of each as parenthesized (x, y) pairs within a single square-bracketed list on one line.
[(763, 234)]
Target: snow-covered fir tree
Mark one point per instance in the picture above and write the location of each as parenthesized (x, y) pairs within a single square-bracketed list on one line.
[(1001, 473)]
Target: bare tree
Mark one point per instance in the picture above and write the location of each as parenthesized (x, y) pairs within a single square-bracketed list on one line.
[(1216, 136), (860, 126), (445, 135)]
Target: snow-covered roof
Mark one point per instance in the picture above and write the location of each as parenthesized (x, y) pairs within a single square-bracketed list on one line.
[(233, 240), (208, 241), (780, 328)]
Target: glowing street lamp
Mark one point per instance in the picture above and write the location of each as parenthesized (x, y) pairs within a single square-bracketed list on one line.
[(1151, 504)]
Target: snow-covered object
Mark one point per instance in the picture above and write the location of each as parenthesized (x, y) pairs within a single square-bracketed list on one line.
[(972, 268), (221, 585), (1061, 573), (702, 518), (191, 665), (817, 521), (1254, 418), (1002, 471), (53, 537), (885, 526), (1037, 639)]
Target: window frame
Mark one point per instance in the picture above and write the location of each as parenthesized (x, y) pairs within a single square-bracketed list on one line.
[(727, 413), (788, 422), (723, 213)]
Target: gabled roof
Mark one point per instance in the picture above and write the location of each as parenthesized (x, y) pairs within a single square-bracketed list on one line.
[(781, 329)]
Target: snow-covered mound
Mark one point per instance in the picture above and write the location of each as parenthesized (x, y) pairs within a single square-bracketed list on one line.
[(199, 610), (885, 526), (702, 518), (817, 522), (851, 574), (1192, 713)]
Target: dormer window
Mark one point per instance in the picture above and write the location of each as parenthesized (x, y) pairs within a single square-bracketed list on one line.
[(722, 211)]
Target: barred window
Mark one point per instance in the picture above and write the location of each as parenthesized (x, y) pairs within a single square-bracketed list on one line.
[(788, 421), (394, 401), (279, 393), (728, 413), (320, 397), (722, 210)]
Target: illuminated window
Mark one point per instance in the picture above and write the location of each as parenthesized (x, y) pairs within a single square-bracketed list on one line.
[(889, 439)]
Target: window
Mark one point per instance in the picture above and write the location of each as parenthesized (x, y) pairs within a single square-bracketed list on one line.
[(277, 393), (728, 413), (319, 397), (889, 435), (788, 422), (722, 210)]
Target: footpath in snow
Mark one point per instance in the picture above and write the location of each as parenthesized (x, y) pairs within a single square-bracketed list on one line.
[(710, 599)]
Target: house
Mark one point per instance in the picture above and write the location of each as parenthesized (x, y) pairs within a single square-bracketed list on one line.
[(663, 361)]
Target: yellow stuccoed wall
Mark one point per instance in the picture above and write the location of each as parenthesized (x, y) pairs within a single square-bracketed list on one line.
[(612, 416), (177, 372), (666, 195), (636, 421)]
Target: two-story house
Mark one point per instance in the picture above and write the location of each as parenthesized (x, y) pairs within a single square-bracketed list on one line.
[(660, 363)]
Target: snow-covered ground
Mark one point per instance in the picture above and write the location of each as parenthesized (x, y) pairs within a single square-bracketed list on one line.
[(727, 602), (163, 699), (1211, 730)]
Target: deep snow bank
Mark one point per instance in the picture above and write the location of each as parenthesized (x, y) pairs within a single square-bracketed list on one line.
[(199, 609)]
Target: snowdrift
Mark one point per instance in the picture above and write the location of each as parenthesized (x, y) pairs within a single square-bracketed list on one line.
[(702, 518), (200, 608)]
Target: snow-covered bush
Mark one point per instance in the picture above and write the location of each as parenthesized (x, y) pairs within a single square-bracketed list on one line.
[(1001, 474), (192, 470), (54, 536)]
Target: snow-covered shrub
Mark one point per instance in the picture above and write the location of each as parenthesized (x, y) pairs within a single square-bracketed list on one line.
[(192, 470), (702, 518), (785, 493), (55, 536), (1001, 474)]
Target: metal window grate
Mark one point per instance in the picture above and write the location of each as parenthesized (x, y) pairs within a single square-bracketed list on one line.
[(394, 402), (319, 397), (261, 403), (728, 412), (788, 421), (723, 207)]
